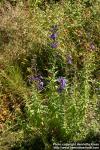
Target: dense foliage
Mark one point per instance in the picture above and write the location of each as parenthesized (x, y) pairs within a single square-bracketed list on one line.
[(49, 73)]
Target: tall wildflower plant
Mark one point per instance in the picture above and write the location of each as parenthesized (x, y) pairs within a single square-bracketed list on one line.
[(55, 107), (78, 102), (69, 109), (90, 98)]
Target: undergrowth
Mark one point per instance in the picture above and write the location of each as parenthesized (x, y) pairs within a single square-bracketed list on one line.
[(49, 73)]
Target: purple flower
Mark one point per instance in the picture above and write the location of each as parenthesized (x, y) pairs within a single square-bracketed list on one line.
[(53, 36), (37, 80), (62, 83), (54, 45)]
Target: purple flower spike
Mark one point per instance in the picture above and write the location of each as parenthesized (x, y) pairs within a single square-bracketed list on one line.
[(38, 80), (53, 36), (54, 45), (62, 83)]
